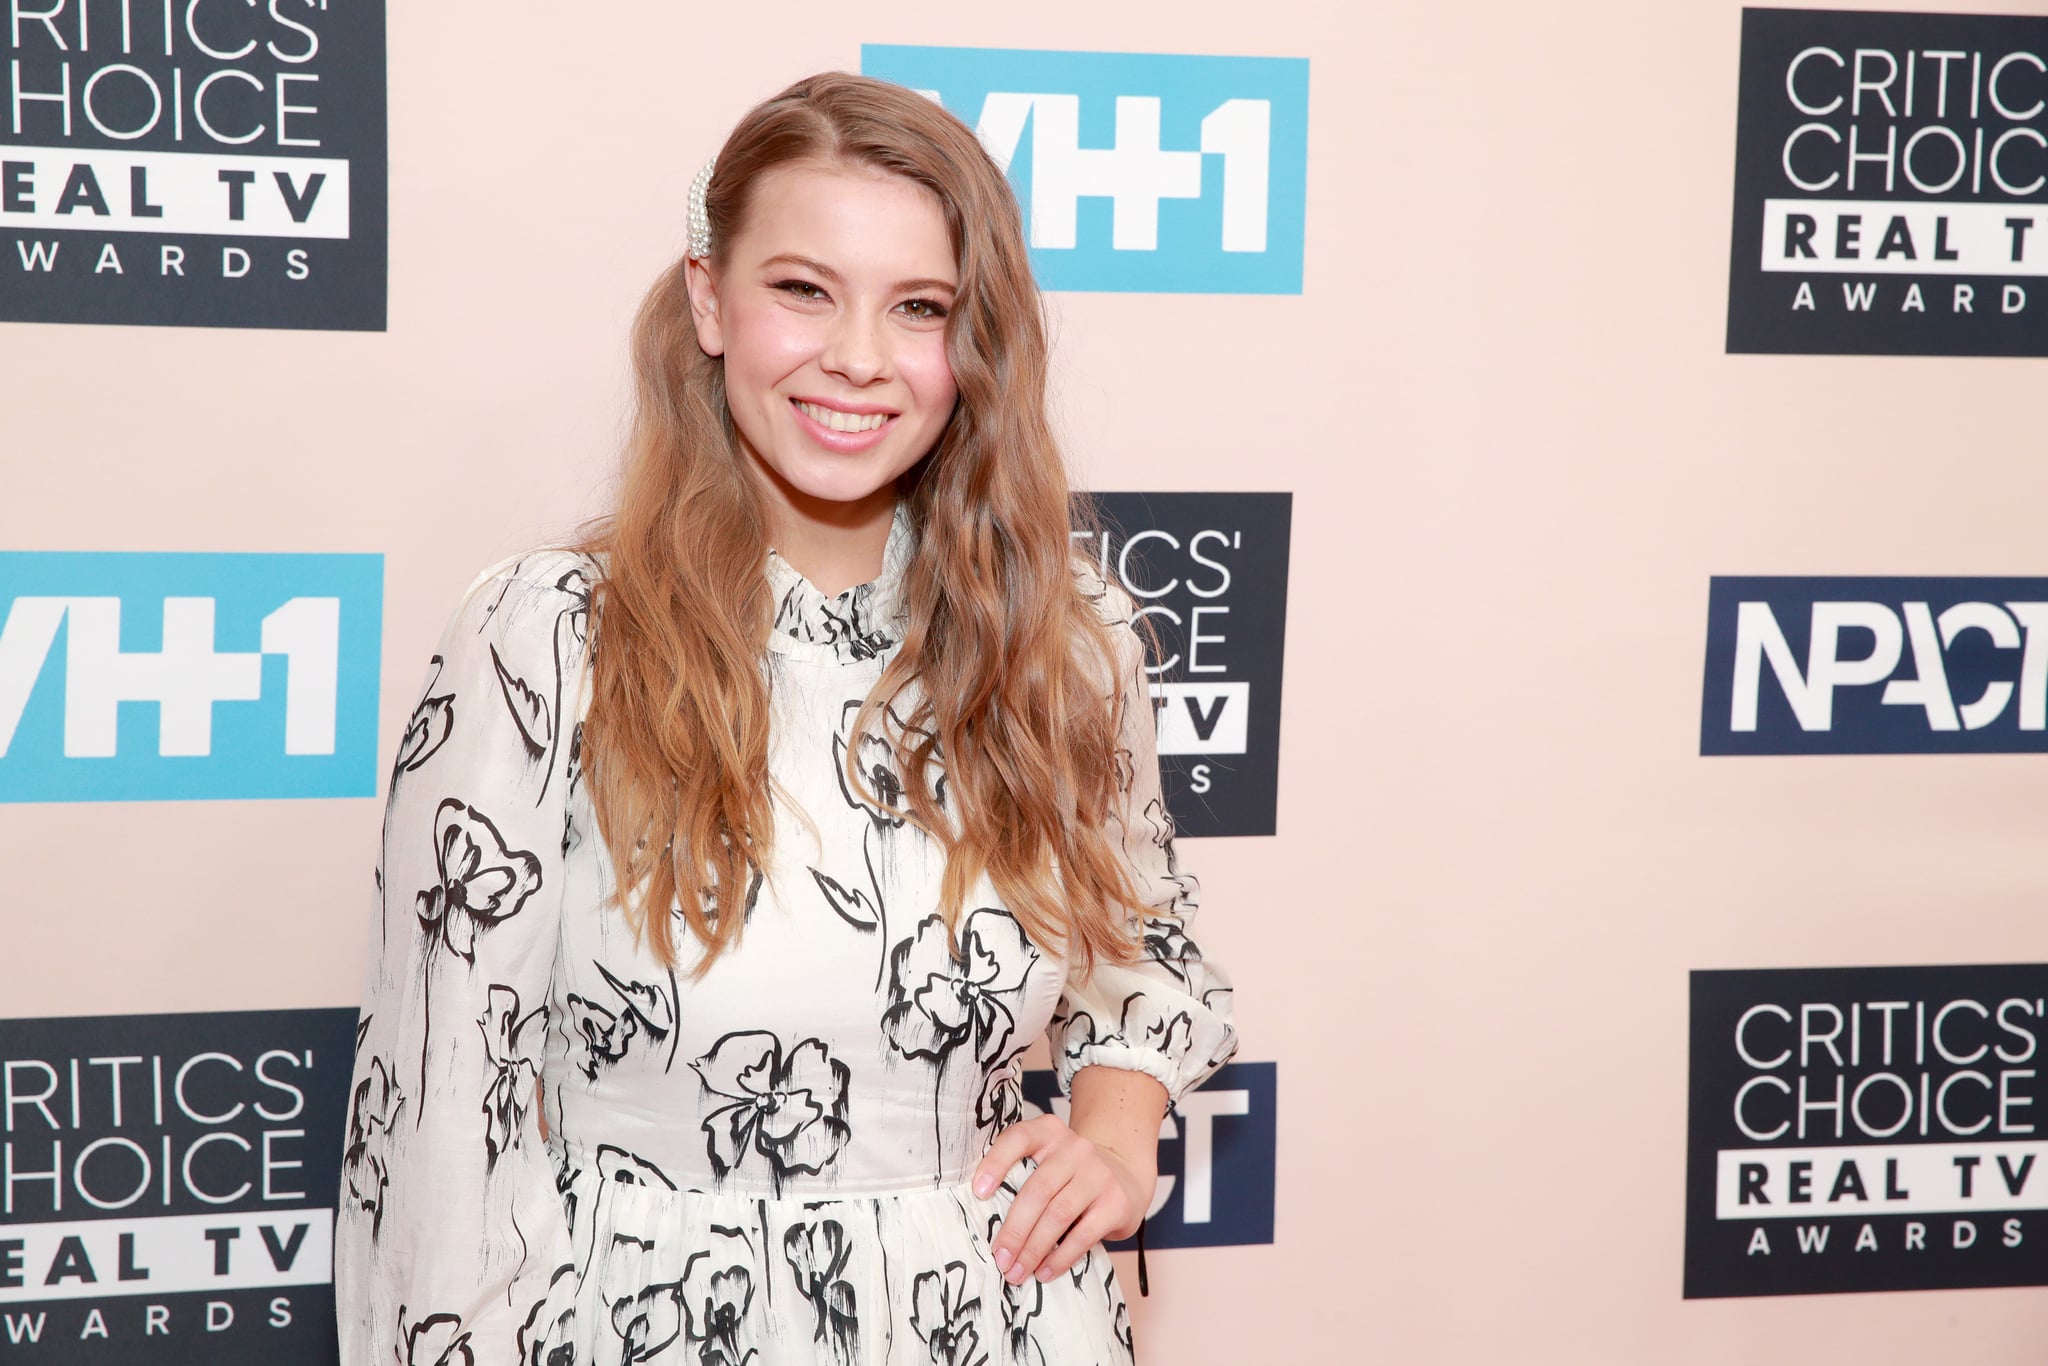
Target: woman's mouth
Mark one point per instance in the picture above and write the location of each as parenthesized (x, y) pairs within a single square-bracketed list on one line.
[(833, 420)]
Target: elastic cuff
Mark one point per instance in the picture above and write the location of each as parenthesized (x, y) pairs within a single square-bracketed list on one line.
[(1114, 1053)]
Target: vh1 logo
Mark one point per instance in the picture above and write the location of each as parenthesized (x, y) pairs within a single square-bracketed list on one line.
[(259, 673), (1137, 172)]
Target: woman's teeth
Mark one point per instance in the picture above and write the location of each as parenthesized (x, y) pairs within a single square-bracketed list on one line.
[(842, 422)]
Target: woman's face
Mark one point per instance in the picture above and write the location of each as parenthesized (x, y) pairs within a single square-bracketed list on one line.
[(830, 310)]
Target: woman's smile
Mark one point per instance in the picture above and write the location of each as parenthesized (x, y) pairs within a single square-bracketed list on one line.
[(843, 429)]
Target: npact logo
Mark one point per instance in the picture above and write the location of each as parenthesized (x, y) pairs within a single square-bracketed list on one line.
[(1876, 666), (1137, 172), (164, 676)]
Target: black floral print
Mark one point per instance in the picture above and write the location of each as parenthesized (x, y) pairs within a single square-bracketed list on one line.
[(879, 766), (548, 1337), (944, 1316), (1002, 1100), (366, 1166), (788, 1108), (717, 1293), (576, 759), (530, 711), (481, 881), (1021, 1305), (638, 1010), (572, 829), (648, 1316), (940, 1002), (875, 762), (1158, 829), (817, 1253), (537, 711), (436, 1340), (1120, 1320), (1166, 943), (512, 1043), (848, 624), (851, 904), (616, 1164), (433, 721), (568, 1176)]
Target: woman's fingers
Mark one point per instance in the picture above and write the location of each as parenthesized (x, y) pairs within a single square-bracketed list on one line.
[(1069, 1203), (1065, 1209), (1093, 1227), (1027, 1212), (1012, 1145)]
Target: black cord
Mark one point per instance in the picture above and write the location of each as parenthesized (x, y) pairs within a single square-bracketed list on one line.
[(1144, 1281)]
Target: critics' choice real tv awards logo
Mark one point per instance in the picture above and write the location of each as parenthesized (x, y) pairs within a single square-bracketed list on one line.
[(1876, 666), (1866, 1129), (211, 163), (1891, 185), (1209, 572), (1216, 1156), (167, 1187), (1136, 172), (163, 676)]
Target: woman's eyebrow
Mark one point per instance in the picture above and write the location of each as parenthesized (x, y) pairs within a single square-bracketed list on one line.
[(834, 277)]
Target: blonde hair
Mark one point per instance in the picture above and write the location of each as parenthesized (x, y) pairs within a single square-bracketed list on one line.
[(1016, 700)]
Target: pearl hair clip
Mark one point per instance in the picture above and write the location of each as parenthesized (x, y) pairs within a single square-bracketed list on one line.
[(700, 216)]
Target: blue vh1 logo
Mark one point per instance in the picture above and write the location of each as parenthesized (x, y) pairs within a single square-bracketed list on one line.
[(151, 677), (1217, 1154), (1138, 172)]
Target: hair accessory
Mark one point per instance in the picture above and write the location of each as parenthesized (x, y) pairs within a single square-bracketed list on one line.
[(700, 215)]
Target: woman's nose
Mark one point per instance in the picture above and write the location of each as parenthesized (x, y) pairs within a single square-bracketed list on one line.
[(856, 350)]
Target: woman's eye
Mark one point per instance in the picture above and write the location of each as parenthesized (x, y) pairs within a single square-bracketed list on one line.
[(926, 309), (801, 289)]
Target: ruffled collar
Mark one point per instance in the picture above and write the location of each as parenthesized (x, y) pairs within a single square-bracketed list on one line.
[(858, 624)]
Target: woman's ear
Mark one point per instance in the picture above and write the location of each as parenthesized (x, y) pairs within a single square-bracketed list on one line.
[(704, 307)]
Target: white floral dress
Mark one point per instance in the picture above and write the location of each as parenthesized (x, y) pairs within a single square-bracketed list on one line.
[(769, 1165)]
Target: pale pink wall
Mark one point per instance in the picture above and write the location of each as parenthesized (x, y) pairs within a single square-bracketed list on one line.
[(1518, 452)]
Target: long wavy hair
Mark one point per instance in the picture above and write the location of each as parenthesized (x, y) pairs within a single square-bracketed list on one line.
[(1006, 683)]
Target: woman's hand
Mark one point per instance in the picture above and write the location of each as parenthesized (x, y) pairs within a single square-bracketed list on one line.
[(1081, 1193)]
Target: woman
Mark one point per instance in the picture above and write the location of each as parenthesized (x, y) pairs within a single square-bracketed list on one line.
[(767, 827)]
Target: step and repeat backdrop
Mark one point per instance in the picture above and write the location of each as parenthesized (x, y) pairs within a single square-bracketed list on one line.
[(1584, 464)]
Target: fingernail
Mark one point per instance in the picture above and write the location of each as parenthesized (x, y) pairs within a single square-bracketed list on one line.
[(1016, 1276), (1045, 1273), (983, 1185), (1002, 1259)]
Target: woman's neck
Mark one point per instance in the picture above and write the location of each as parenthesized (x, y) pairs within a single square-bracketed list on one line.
[(833, 545)]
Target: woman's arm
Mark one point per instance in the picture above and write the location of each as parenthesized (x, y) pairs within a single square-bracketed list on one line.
[(1127, 1039), (451, 1236)]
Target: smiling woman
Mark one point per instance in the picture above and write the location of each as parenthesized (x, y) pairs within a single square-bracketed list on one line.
[(836, 374), (769, 825)]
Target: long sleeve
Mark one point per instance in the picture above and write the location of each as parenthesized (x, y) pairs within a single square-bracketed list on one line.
[(1167, 1014), (450, 1231)]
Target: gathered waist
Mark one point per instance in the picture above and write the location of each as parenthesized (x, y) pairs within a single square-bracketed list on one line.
[(614, 1165)]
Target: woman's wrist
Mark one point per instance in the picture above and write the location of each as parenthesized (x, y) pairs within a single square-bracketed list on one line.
[(1119, 1111)]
